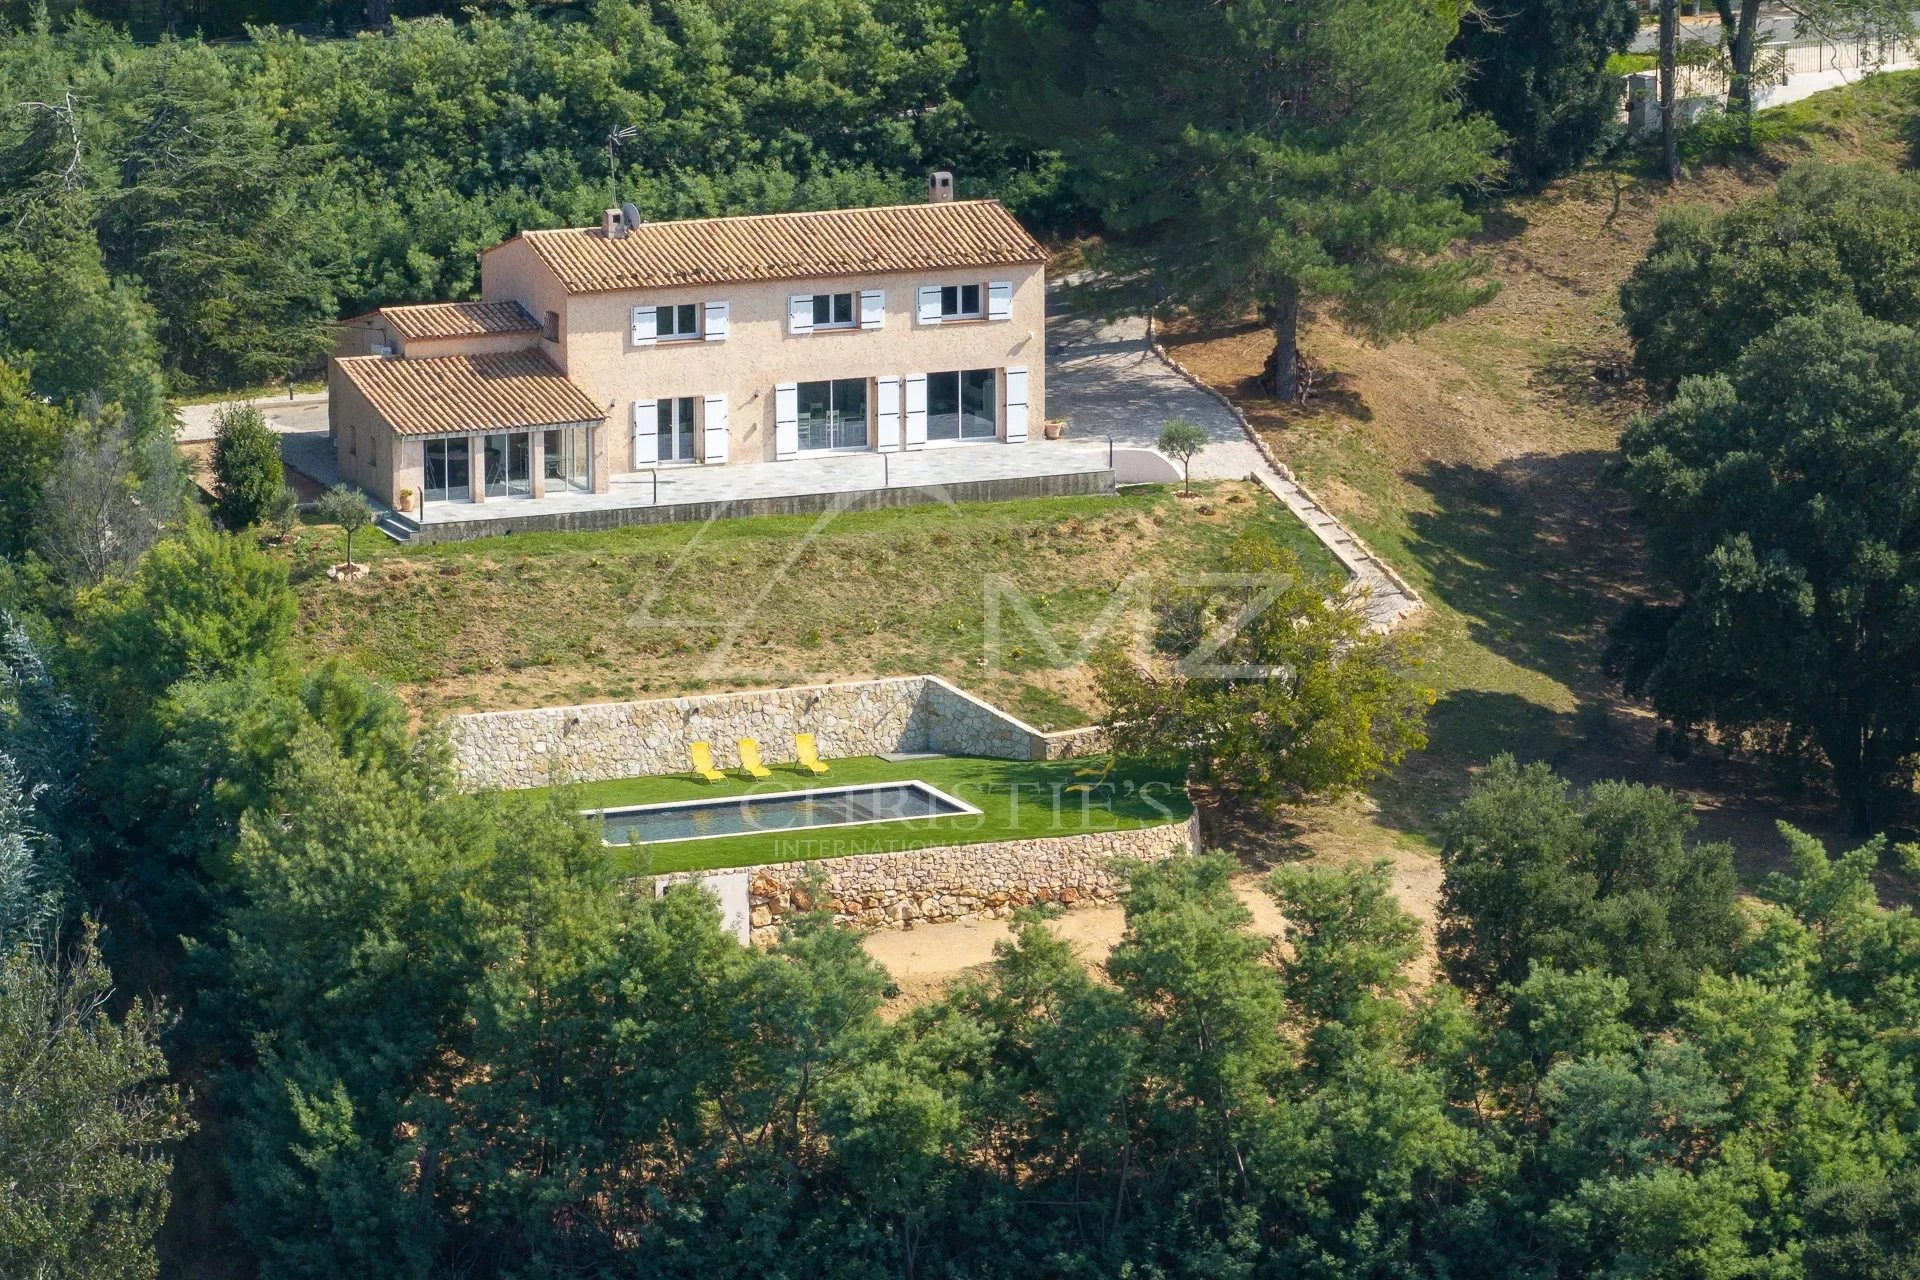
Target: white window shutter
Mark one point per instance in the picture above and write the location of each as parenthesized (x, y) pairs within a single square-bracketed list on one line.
[(646, 433), (800, 313), (886, 416), (1000, 300), (1016, 404), (717, 321), (929, 311), (873, 308), (645, 326), (786, 421), (916, 411), (714, 431)]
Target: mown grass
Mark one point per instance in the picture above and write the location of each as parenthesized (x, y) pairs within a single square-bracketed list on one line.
[(1017, 800), (1000, 597)]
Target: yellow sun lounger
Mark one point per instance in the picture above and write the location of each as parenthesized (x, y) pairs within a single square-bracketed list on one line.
[(703, 762), (750, 759), (808, 753)]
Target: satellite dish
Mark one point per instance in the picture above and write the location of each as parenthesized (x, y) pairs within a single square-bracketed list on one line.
[(630, 213)]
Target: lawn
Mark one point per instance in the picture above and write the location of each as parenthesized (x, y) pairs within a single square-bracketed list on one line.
[(1001, 598), (1017, 800)]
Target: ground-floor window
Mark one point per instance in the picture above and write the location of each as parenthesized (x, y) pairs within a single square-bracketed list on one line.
[(448, 476), (962, 405), (509, 462), (566, 461), (676, 429), (833, 415)]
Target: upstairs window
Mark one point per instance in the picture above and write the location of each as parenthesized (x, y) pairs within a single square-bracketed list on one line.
[(834, 311), (550, 329), (960, 302), (682, 321)]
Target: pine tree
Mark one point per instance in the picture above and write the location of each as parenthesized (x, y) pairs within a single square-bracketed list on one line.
[(1256, 155)]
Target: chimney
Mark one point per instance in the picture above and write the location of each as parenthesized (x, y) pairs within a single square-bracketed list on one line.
[(613, 224), (940, 188)]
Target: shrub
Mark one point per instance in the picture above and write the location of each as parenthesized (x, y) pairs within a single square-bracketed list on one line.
[(247, 475)]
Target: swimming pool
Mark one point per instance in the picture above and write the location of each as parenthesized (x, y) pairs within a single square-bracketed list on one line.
[(784, 811)]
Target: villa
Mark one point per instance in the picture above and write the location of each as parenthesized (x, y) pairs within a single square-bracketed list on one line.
[(633, 365)]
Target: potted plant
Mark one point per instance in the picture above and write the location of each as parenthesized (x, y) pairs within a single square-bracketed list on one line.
[(406, 500), (1053, 428)]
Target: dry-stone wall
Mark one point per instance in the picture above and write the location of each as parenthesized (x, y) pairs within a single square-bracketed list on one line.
[(955, 882), (515, 749)]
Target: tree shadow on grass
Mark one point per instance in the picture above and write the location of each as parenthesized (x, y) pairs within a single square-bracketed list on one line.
[(1537, 555)]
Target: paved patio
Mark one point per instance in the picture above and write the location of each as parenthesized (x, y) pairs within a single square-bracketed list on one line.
[(935, 473)]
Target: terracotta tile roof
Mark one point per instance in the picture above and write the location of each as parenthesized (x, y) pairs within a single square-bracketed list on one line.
[(787, 246), (460, 319), (444, 394)]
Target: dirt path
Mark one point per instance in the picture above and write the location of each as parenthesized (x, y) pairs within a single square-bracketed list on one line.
[(925, 961)]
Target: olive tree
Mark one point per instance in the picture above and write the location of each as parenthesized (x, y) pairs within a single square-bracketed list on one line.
[(1182, 439), (347, 507)]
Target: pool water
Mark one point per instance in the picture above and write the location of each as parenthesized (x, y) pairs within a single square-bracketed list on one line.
[(787, 811)]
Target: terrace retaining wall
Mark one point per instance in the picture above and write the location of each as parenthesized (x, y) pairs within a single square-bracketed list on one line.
[(952, 882), (510, 750)]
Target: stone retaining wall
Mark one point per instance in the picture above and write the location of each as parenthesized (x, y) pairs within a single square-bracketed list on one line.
[(515, 749), (954, 882)]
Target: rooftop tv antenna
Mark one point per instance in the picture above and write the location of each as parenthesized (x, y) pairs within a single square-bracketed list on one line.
[(624, 133)]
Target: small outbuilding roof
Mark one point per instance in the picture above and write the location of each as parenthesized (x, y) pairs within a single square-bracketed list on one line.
[(460, 319), (786, 246), (444, 395)]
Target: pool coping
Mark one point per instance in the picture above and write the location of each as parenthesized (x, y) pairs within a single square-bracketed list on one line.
[(961, 809)]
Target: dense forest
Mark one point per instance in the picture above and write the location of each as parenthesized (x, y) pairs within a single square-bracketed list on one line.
[(277, 999)]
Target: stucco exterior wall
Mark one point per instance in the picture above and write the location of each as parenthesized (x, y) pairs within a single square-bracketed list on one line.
[(361, 334), (365, 449), (486, 344), (597, 348), (512, 750), (513, 272)]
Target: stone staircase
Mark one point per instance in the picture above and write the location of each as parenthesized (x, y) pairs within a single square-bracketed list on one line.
[(398, 526)]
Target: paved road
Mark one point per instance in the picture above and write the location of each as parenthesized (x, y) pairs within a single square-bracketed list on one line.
[(1104, 380), (300, 414), (1776, 27), (301, 422)]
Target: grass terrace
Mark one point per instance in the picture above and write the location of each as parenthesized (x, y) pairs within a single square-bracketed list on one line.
[(1017, 799), (988, 595)]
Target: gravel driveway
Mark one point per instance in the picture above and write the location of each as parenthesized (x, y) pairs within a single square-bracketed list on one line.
[(1105, 381)]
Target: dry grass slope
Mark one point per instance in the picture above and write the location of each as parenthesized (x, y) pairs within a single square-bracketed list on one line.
[(1473, 458), (541, 619)]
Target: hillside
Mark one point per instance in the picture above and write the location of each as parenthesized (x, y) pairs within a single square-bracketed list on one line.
[(1473, 456)]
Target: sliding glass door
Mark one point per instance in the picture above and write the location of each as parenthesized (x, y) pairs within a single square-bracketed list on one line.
[(566, 461), (448, 476), (509, 460), (833, 415), (962, 405)]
